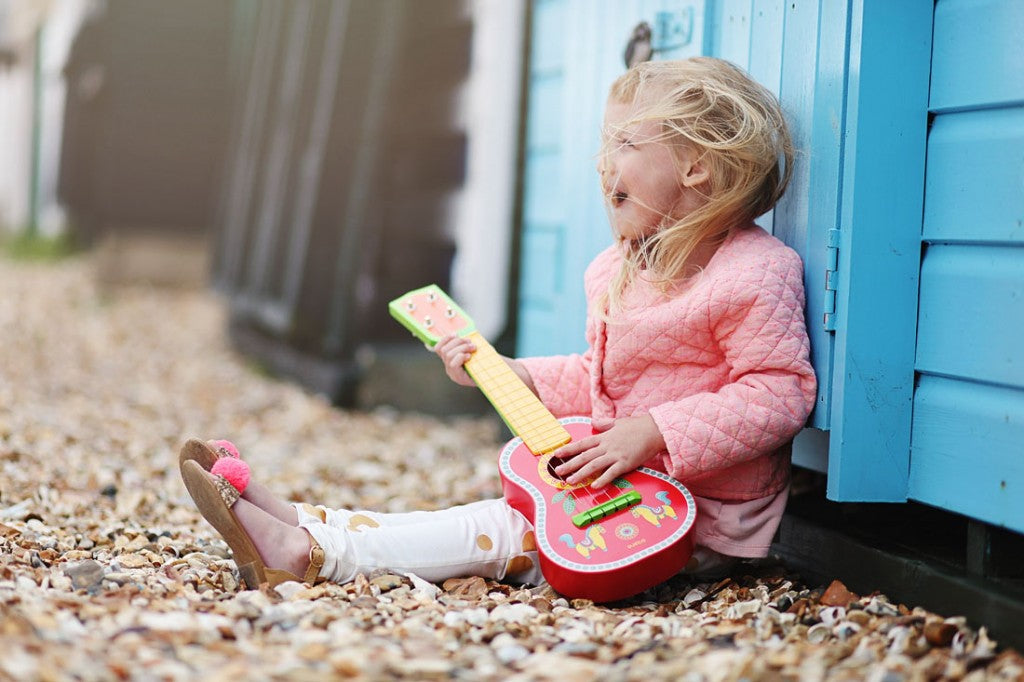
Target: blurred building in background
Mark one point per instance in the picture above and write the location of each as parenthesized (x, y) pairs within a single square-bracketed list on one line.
[(367, 140), (312, 159), (348, 155)]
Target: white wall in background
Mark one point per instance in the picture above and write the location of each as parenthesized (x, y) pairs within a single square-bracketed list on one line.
[(482, 211)]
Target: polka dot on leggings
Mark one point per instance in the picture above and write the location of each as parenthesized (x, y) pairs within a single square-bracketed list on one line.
[(518, 564), (357, 522), (484, 542)]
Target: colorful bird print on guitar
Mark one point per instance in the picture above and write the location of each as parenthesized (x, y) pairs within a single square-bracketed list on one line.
[(602, 544)]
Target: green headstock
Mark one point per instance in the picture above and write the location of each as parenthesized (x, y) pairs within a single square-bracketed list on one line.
[(430, 314)]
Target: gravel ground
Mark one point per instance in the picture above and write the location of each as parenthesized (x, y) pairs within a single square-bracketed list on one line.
[(107, 571)]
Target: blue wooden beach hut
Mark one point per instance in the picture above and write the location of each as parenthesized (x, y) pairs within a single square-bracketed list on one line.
[(907, 207)]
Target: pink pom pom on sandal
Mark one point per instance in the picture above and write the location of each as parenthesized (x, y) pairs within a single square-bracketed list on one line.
[(206, 453)]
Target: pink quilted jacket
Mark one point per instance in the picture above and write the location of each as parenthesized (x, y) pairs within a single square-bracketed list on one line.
[(722, 367)]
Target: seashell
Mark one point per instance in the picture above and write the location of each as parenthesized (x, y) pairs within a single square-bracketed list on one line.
[(859, 616), (880, 607), (387, 582), (898, 638), (118, 578), (832, 615), (692, 597), (846, 629), (818, 633)]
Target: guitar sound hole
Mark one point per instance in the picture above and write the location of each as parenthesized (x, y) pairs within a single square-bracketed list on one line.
[(556, 462)]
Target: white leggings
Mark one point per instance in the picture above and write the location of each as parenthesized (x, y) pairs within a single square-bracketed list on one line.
[(487, 539)]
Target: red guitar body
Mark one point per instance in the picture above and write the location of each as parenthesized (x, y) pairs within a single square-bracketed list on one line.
[(615, 557)]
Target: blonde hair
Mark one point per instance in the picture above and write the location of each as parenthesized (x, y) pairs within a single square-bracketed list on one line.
[(738, 132)]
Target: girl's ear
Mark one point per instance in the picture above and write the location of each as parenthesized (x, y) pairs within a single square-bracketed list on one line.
[(695, 172)]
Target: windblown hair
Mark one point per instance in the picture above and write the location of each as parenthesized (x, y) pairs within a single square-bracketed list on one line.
[(737, 130)]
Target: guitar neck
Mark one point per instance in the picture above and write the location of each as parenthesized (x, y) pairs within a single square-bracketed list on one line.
[(524, 413)]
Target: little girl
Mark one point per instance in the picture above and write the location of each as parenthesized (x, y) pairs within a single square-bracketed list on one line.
[(697, 360)]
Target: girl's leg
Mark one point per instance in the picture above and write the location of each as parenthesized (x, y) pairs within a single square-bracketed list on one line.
[(487, 538), (260, 496), (281, 545)]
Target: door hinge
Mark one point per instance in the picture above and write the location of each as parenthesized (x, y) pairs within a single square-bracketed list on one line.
[(831, 278)]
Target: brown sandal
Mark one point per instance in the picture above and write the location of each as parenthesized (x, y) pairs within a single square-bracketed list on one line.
[(214, 497), (202, 452)]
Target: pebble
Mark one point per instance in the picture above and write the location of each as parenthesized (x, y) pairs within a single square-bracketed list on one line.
[(85, 574), (100, 389)]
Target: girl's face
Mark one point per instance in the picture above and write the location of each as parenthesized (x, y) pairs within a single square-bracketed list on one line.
[(647, 181)]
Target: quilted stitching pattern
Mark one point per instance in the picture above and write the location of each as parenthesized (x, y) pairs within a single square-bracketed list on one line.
[(723, 367)]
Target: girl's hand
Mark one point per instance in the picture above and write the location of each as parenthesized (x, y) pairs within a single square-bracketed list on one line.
[(454, 351), (629, 443)]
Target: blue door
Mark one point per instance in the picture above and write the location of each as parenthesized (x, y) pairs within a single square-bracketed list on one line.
[(967, 451)]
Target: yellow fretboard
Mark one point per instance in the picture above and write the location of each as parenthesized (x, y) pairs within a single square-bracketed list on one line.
[(517, 405)]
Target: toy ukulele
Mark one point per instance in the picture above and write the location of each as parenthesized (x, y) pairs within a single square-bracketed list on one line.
[(600, 544)]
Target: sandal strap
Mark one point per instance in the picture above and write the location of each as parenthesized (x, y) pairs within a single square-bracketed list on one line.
[(317, 556), (228, 492)]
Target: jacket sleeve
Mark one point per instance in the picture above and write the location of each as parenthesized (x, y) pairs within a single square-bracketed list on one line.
[(562, 382), (757, 321)]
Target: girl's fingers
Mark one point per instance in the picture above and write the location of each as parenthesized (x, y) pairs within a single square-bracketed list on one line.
[(578, 463), (609, 475), (589, 470), (576, 447)]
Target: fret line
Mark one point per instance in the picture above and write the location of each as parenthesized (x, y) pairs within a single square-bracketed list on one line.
[(522, 410)]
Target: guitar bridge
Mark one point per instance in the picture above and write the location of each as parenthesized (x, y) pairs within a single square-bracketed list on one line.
[(604, 509)]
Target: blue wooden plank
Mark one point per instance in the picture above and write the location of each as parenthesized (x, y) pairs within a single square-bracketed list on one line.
[(548, 25), (543, 189), (795, 85), (978, 60), (967, 450), (879, 255), (727, 30), (541, 280), (767, 29), (975, 179), (823, 156), (544, 112), (971, 319)]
